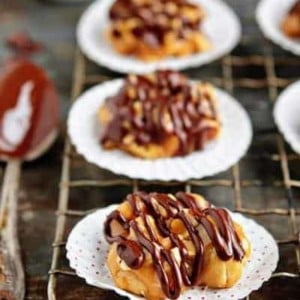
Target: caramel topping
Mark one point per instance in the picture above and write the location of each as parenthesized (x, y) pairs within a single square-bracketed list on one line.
[(156, 18), (150, 108), (29, 108), (153, 222)]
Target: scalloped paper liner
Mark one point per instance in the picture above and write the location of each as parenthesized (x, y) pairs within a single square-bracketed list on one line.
[(222, 27), (87, 252), (286, 115), (84, 131), (269, 15)]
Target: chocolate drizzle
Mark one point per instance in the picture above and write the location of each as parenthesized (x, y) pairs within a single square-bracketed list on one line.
[(132, 253), (150, 108), (155, 19), (156, 211)]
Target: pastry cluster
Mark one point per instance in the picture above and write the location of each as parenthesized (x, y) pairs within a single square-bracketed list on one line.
[(159, 115), (291, 22), (162, 244), (154, 29)]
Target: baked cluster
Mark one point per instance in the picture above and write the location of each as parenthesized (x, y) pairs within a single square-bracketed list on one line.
[(162, 244), (159, 115), (154, 29), (291, 22)]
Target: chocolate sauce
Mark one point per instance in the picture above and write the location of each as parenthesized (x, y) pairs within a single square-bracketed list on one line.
[(156, 211), (155, 18), (153, 108), (132, 253)]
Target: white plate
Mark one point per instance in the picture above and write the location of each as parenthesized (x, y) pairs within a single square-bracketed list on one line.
[(269, 15), (84, 131), (287, 115), (221, 26), (87, 252)]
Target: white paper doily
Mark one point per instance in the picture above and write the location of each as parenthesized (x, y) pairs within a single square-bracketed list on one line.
[(286, 115), (87, 251), (269, 15), (234, 140), (222, 27)]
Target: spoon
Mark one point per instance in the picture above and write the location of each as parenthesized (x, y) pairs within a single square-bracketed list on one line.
[(29, 113)]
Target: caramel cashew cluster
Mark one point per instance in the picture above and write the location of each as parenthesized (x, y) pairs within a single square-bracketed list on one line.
[(154, 29), (160, 115), (162, 244)]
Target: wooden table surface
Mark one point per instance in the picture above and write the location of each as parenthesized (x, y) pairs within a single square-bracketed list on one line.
[(54, 25)]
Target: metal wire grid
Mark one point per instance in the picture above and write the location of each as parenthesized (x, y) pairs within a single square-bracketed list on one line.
[(271, 82)]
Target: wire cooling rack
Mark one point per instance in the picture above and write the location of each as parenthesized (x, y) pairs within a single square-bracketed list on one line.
[(263, 185)]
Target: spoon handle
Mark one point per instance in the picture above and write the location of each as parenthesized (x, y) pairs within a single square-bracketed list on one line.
[(12, 275)]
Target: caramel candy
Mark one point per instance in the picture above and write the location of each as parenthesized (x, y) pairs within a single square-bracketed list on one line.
[(155, 29)]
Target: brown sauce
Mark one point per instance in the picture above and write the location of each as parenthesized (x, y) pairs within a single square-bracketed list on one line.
[(41, 108)]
